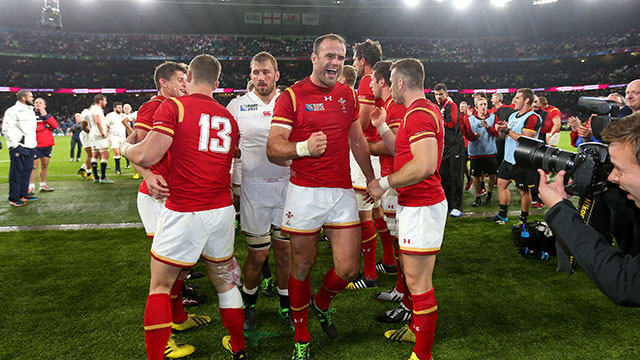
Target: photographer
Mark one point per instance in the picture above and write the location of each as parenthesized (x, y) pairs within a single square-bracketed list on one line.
[(615, 273)]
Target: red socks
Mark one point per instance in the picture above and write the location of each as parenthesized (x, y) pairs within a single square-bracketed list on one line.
[(424, 318), (369, 249), (385, 239), (177, 309), (332, 285), (233, 320), (299, 296), (157, 325)]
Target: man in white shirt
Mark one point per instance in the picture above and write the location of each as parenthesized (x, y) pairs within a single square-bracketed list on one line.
[(19, 128), (263, 187), (117, 132), (99, 137)]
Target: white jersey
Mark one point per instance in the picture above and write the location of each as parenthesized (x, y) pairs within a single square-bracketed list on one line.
[(114, 123), (254, 121), (85, 116), (93, 111)]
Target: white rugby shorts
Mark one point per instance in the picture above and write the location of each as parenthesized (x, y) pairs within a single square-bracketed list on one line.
[(389, 205), (308, 209), (261, 205), (116, 141), (421, 228), (98, 143), (359, 181), (85, 140), (148, 209), (181, 237)]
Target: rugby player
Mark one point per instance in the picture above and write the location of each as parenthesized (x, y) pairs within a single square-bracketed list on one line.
[(422, 206), (263, 188), (200, 136), (314, 122), (117, 132), (170, 80), (99, 138)]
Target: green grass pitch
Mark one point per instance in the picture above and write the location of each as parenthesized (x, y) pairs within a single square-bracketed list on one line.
[(81, 294)]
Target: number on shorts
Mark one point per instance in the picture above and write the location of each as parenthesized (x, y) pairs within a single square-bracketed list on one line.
[(222, 142)]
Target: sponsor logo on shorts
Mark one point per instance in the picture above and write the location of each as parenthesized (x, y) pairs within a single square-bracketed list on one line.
[(314, 107), (250, 107)]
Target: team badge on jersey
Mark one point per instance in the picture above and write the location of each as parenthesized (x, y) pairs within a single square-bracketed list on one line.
[(343, 102), (314, 107)]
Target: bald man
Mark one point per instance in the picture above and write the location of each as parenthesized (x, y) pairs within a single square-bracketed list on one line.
[(633, 95)]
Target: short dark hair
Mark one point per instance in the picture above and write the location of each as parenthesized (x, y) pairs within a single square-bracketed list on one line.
[(369, 50), (440, 86), (411, 71), (543, 100), (166, 70), (263, 57), (205, 69), (481, 94), (22, 93), (625, 130), (349, 74), (527, 94), (320, 39), (382, 70), (98, 98), (115, 104)]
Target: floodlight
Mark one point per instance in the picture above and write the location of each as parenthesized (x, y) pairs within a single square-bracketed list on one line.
[(543, 2), (461, 4), (411, 3)]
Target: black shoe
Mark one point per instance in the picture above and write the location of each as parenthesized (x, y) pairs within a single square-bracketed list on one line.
[(361, 282), (488, 199), (386, 269), (250, 317), (191, 298), (192, 275), (477, 202), (326, 319), (190, 287), (266, 287), (397, 314)]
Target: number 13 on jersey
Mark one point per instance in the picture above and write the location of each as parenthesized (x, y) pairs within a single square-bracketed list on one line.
[(221, 141)]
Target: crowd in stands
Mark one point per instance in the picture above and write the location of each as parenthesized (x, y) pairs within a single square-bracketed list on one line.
[(56, 73), (61, 43)]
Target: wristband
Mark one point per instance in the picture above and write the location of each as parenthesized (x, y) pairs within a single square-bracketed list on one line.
[(302, 148), (123, 148), (384, 183), (382, 129), (508, 131)]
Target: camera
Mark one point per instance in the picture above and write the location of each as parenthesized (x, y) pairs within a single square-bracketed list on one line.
[(603, 111), (588, 168)]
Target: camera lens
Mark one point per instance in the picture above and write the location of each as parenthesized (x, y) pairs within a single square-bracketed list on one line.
[(534, 154)]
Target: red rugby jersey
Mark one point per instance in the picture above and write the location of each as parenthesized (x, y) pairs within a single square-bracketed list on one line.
[(365, 97), (205, 135), (306, 108), (552, 112), (395, 114), (422, 120), (144, 121)]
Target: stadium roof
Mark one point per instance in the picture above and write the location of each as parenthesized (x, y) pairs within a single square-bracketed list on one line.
[(390, 18)]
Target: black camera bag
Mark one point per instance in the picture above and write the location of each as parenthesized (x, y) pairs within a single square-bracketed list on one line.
[(534, 235)]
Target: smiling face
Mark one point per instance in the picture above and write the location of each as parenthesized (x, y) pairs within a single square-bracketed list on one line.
[(328, 62), (176, 86), (626, 170)]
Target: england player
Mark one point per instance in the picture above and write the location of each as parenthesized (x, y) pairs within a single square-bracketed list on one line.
[(117, 132), (199, 135), (523, 122), (387, 127), (85, 120), (366, 55), (99, 138), (314, 122), (170, 80), (263, 188), (422, 206), (128, 120)]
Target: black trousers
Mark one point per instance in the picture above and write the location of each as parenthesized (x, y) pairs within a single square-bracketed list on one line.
[(75, 143), (19, 172), (451, 174)]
